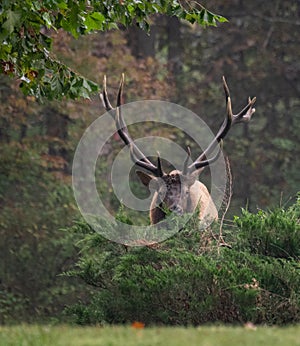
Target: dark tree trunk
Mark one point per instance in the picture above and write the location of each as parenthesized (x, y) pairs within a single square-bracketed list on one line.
[(142, 44), (174, 45), (57, 130)]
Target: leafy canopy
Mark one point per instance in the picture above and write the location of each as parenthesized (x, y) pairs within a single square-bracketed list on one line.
[(25, 34)]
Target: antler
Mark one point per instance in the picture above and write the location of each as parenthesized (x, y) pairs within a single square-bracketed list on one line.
[(136, 154), (243, 116), (139, 158)]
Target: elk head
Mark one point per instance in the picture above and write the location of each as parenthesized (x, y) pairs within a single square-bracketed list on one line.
[(177, 191)]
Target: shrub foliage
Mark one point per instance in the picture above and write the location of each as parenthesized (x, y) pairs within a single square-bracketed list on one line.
[(190, 280)]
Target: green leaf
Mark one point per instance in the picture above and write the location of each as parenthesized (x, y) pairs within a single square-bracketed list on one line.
[(130, 9), (5, 49), (85, 84), (62, 5), (47, 19), (98, 16), (30, 49), (56, 84), (71, 23), (221, 19), (12, 21), (46, 41), (94, 21)]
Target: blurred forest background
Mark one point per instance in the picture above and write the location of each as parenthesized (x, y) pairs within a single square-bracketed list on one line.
[(258, 52)]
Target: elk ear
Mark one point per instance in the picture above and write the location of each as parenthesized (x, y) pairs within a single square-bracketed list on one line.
[(144, 177)]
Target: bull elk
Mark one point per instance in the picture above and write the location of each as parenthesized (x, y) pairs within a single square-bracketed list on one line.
[(178, 191)]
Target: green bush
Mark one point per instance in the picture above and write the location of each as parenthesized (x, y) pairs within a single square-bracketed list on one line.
[(189, 280), (271, 233)]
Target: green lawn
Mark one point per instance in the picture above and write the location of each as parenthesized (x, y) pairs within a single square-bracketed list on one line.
[(27, 335)]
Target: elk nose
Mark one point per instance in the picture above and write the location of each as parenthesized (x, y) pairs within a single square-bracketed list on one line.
[(177, 210)]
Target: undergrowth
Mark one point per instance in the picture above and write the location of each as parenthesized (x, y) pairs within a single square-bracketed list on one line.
[(190, 280)]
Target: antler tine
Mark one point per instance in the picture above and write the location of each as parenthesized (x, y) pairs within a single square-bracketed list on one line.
[(160, 172), (104, 98), (226, 89), (204, 163), (120, 92), (135, 153), (119, 117), (243, 116), (121, 127), (186, 161), (135, 157)]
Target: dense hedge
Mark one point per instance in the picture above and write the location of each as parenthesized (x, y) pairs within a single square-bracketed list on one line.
[(190, 280)]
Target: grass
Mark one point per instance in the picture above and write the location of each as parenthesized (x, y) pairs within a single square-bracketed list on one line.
[(36, 335)]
